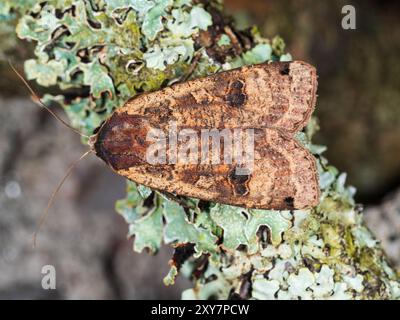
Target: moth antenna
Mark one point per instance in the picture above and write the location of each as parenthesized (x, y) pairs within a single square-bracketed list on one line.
[(45, 213), (37, 100)]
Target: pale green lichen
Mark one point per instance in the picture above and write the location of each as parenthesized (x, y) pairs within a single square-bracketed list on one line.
[(148, 230), (105, 52), (152, 22), (260, 53), (224, 40), (240, 225), (180, 46), (179, 230)]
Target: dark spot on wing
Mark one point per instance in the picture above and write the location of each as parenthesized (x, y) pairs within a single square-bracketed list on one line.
[(284, 68), (186, 101), (190, 176), (236, 96), (239, 182), (159, 114), (289, 201)]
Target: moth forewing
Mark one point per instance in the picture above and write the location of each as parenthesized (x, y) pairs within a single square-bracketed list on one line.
[(278, 95), (273, 100)]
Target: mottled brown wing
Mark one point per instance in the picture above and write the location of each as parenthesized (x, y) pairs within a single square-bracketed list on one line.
[(275, 99), (283, 176), (278, 95)]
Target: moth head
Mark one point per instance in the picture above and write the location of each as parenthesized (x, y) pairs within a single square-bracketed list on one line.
[(91, 142), (120, 141), (94, 137)]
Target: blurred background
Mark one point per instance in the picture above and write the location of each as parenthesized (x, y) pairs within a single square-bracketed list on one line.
[(359, 112)]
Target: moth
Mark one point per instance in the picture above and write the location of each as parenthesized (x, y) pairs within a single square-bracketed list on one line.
[(275, 100)]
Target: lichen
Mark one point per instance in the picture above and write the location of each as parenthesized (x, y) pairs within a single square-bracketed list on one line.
[(98, 54)]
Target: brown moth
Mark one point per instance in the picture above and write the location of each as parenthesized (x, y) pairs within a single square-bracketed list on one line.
[(274, 99)]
